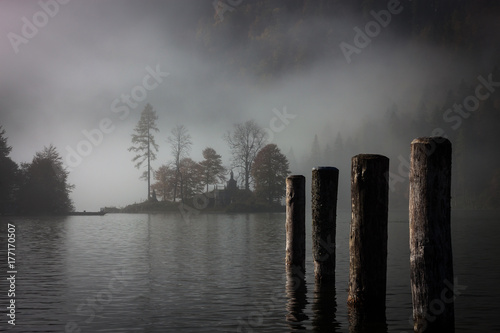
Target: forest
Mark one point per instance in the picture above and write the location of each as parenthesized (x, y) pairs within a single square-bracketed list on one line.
[(41, 187), (36, 188), (466, 111)]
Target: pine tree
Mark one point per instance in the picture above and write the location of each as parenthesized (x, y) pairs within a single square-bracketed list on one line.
[(44, 188), (213, 170), (315, 152), (8, 172), (143, 142)]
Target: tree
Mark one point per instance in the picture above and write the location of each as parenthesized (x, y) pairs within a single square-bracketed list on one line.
[(8, 174), (245, 142), (5, 149), (315, 151), (338, 150), (270, 170), (180, 142), (143, 142), (165, 179), (213, 170), (44, 188), (191, 178)]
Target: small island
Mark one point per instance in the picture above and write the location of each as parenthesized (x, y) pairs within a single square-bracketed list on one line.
[(183, 184), (228, 199)]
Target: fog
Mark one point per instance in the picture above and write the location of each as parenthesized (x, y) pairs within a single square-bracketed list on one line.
[(71, 75)]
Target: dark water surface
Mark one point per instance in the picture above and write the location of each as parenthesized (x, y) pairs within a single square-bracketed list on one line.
[(217, 273)]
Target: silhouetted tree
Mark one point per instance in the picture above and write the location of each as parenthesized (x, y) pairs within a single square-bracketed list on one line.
[(180, 142), (143, 142), (315, 151), (245, 142), (338, 156), (213, 170), (44, 188), (165, 180), (5, 149), (8, 174), (270, 170), (191, 178)]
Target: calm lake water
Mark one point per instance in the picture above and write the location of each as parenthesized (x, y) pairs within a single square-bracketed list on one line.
[(217, 273)]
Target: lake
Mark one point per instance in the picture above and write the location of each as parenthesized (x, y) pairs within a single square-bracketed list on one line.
[(217, 273)]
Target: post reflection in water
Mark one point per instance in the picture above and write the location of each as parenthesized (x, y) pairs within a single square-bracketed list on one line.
[(325, 307), (296, 292), (363, 320)]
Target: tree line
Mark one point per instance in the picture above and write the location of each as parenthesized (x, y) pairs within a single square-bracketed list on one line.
[(37, 188), (474, 135), (262, 166)]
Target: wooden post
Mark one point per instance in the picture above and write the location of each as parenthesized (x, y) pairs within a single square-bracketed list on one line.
[(431, 259), (295, 222), (324, 215), (368, 239)]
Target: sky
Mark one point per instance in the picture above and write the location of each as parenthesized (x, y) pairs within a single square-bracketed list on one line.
[(80, 77)]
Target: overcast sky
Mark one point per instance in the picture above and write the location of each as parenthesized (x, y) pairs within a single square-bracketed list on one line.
[(68, 76)]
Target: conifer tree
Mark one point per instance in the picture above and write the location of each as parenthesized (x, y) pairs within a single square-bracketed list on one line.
[(143, 143)]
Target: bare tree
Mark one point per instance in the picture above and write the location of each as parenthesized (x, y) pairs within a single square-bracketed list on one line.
[(180, 142), (245, 142), (143, 142)]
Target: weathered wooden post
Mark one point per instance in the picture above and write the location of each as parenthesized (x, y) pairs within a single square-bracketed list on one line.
[(368, 239), (296, 222), (431, 259), (324, 187)]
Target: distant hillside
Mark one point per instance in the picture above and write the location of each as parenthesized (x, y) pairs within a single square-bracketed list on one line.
[(269, 38)]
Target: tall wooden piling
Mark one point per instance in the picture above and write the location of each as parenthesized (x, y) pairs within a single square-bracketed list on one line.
[(431, 259), (368, 237), (324, 187), (296, 222)]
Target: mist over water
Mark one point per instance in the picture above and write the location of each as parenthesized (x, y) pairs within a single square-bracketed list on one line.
[(362, 77)]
